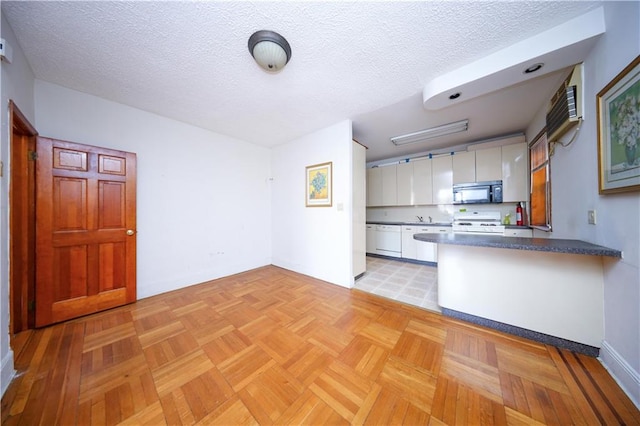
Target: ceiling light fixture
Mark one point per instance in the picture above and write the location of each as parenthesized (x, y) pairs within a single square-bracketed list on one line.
[(270, 50), (433, 132), (533, 68)]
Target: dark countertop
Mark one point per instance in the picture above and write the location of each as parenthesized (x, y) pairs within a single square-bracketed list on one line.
[(519, 243)]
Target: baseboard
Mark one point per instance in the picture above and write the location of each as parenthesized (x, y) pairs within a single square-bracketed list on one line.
[(622, 372), (526, 333), (6, 371)]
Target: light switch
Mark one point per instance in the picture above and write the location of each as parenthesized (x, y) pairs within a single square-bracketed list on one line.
[(591, 217)]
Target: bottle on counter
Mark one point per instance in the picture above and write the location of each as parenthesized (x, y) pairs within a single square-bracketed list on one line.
[(519, 215)]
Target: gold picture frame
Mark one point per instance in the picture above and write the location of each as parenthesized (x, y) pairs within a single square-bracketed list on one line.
[(618, 109), (319, 185)]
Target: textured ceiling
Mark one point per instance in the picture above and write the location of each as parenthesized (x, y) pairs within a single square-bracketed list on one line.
[(366, 61)]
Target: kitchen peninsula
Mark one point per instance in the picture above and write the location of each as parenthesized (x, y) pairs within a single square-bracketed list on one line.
[(550, 290)]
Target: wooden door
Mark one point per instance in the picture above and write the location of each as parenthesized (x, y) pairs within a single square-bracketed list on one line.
[(85, 230)]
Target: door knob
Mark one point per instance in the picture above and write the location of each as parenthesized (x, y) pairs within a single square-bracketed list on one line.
[(130, 232)]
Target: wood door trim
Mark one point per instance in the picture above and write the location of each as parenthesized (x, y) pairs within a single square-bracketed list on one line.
[(21, 221)]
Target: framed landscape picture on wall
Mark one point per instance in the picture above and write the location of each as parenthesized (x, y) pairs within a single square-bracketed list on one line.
[(618, 105), (318, 184)]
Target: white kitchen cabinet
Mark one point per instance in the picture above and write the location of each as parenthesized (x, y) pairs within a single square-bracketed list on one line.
[(428, 252), (409, 245), (374, 186), (421, 250), (477, 166), (422, 182), (489, 164), (464, 166), (442, 174), (414, 183), (405, 184), (512, 232), (389, 186), (515, 172), (371, 238)]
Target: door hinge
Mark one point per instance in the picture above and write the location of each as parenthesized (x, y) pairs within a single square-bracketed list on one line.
[(31, 306), (32, 155)]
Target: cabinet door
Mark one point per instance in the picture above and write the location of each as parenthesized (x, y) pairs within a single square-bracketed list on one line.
[(405, 183), (408, 243), (489, 164), (427, 252), (442, 172), (523, 233), (371, 239), (515, 172), (422, 183), (464, 167), (374, 186), (389, 186)]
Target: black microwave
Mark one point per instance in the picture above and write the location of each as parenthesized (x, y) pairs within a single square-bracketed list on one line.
[(477, 192)]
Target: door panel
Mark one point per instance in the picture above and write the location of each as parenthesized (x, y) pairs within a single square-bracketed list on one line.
[(85, 206)]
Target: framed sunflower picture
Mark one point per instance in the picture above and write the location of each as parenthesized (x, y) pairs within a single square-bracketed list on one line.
[(618, 106), (319, 190)]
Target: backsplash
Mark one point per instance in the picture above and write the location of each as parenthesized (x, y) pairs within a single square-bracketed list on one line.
[(439, 213)]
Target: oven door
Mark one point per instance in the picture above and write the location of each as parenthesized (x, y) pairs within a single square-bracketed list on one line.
[(472, 194)]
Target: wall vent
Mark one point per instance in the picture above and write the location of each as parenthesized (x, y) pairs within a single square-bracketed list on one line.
[(566, 106)]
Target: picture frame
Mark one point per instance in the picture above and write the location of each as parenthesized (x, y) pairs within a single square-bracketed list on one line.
[(319, 191), (618, 112)]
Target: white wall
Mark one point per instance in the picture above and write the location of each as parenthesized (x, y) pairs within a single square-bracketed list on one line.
[(17, 85), (574, 174), (314, 241), (203, 198)]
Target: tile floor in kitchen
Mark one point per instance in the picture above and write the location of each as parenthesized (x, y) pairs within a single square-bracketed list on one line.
[(406, 282)]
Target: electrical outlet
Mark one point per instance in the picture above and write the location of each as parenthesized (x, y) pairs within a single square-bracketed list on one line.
[(591, 217)]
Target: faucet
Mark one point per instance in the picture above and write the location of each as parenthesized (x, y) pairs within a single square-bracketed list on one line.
[(430, 219), (420, 219)]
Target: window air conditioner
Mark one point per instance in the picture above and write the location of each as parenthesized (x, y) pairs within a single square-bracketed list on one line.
[(566, 106)]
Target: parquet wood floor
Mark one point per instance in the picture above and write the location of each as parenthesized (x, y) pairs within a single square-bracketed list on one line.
[(270, 346)]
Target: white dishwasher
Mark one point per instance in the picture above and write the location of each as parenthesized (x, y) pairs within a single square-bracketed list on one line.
[(389, 240)]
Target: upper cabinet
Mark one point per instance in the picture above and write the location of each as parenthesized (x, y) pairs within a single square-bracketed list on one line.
[(405, 184), (477, 166), (389, 186), (427, 181), (489, 164), (442, 174), (422, 182), (374, 186), (381, 186), (464, 166), (414, 183), (515, 173)]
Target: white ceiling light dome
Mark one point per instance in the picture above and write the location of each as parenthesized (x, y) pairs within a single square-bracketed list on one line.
[(270, 50)]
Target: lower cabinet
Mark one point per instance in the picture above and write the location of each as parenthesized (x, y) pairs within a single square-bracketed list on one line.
[(420, 250), (409, 246), (371, 239), (511, 232)]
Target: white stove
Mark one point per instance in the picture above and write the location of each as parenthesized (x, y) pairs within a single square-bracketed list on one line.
[(479, 223)]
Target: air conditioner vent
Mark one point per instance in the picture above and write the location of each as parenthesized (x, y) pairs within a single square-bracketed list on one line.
[(566, 106)]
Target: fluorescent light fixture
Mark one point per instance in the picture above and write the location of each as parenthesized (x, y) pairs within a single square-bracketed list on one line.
[(433, 132)]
